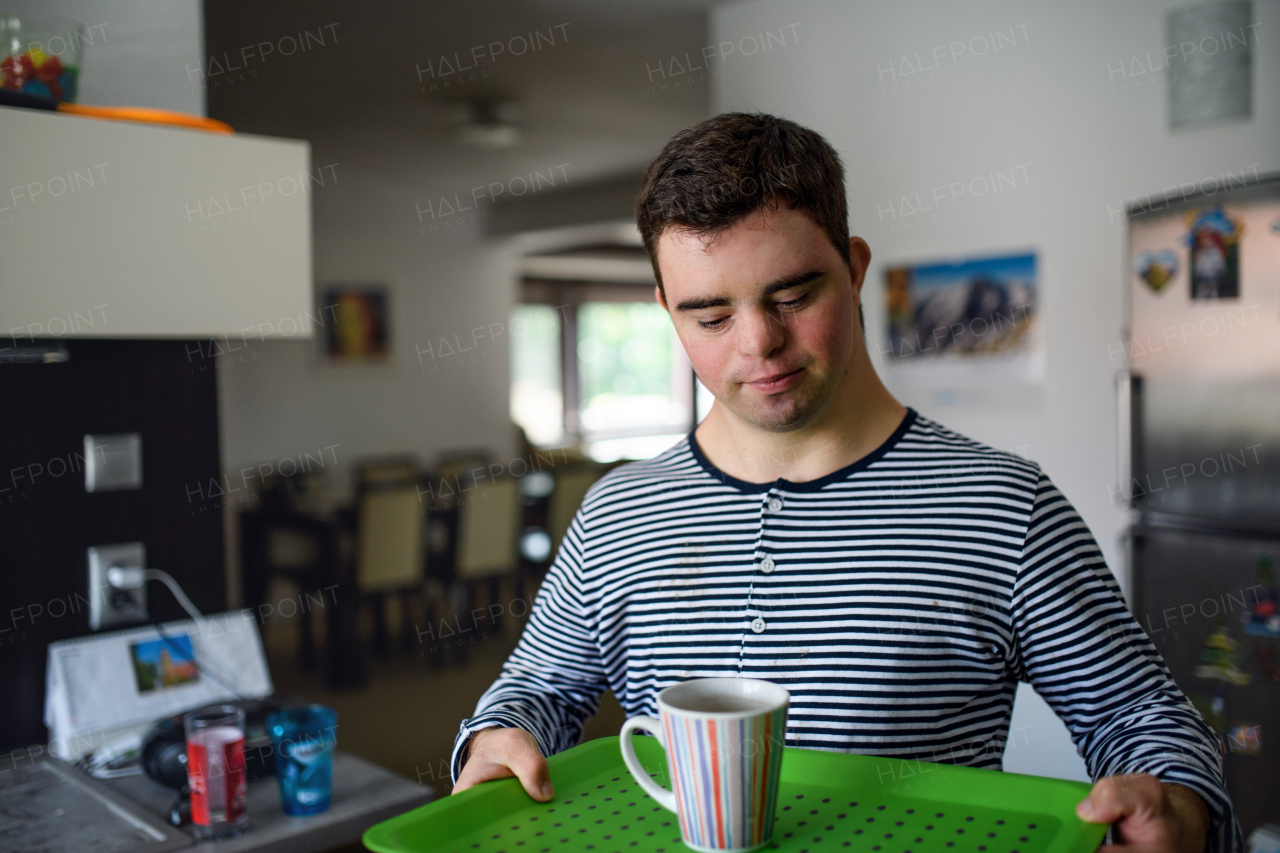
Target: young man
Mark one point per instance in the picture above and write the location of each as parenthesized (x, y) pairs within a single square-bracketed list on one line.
[(897, 578)]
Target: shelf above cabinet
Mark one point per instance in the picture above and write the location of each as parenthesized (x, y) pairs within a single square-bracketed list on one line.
[(119, 230)]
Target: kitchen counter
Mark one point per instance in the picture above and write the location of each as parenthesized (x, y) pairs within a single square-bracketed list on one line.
[(363, 794)]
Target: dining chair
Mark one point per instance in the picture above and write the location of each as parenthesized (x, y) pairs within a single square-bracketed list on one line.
[(391, 543)]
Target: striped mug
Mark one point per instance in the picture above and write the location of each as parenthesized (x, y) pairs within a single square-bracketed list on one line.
[(724, 740)]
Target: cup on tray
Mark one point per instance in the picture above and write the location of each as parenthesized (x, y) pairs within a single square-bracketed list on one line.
[(724, 739), (303, 739)]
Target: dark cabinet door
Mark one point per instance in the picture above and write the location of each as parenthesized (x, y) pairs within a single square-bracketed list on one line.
[(162, 390)]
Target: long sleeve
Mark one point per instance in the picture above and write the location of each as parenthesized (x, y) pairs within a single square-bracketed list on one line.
[(551, 684), (1083, 651)]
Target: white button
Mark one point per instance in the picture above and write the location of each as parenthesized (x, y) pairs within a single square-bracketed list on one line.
[(775, 504), (767, 565), (757, 625)]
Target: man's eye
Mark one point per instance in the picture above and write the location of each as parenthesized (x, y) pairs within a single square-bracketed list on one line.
[(711, 324), (794, 303)]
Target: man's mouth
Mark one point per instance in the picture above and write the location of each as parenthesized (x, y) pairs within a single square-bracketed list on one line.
[(776, 381)]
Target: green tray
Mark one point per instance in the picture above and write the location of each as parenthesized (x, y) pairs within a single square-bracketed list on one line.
[(828, 801)]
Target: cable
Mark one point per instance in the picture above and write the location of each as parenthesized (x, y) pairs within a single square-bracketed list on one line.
[(121, 577), (201, 668), (167, 579), (135, 577), (119, 757)]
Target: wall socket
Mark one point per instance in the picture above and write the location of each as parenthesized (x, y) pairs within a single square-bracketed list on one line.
[(109, 606)]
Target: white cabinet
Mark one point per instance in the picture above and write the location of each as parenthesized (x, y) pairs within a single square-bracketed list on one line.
[(124, 230)]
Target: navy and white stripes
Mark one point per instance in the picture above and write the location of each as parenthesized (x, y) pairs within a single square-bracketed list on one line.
[(899, 600)]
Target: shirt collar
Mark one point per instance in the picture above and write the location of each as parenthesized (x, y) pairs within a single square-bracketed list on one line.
[(809, 485)]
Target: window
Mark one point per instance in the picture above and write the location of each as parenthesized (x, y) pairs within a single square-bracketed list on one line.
[(537, 399), (625, 391)]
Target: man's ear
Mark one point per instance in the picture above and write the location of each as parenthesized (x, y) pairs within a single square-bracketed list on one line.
[(859, 261), (661, 297)]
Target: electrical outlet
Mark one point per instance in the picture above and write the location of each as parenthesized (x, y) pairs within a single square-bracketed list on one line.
[(110, 606)]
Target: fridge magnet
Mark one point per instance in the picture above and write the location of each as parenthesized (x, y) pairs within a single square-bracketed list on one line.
[(1214, 240), (357, 327), (1212, 708), (1157, 269), (1264, 657), (1264, 616), (1245, 740), (1220, 658), (970, 309)]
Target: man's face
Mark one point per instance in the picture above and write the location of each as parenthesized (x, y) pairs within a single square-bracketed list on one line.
[(767, 313)]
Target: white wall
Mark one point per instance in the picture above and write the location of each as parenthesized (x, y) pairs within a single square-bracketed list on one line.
[(278, 399), (1091, 139), (140, 50), (281, 407)]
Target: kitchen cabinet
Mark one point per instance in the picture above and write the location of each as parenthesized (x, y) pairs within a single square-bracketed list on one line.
[(126, 230)]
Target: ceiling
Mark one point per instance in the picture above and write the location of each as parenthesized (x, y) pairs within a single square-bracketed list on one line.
[(363, 98)]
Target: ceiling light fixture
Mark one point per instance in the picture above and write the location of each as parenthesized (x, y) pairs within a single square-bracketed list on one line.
[(486, 123)]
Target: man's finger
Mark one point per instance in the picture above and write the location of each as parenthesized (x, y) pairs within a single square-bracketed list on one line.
[(1116, 796), (531, 769), (480, 771)]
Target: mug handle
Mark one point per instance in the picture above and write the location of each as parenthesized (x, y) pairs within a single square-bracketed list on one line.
[(661, 795)]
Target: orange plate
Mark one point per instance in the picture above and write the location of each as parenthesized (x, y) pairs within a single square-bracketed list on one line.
[(148, 115)]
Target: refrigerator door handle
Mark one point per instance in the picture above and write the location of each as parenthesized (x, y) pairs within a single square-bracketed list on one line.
[(1124, 438)]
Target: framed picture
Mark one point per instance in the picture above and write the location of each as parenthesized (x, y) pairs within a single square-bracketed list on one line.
[(968, 309), (357, 329), (957, 326)]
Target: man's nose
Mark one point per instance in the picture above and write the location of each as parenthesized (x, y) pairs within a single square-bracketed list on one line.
[(760, 334)]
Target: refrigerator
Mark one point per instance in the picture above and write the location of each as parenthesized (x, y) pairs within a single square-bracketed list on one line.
[(1200, 429)]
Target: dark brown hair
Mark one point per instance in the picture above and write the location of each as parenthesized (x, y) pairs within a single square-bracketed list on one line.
[(711, 175)]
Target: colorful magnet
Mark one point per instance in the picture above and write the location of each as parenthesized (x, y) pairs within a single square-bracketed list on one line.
[(1245, 739), (1264, 617), (1212, 709), (1157, 269), (1214, 240), (1264, 656), (1220, 658)]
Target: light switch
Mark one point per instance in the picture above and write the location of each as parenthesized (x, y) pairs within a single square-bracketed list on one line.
[(112, 462)]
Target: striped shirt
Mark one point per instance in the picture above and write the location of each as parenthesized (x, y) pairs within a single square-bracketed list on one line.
[(899, 599)]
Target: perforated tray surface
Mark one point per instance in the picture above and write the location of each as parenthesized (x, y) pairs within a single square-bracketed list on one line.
[(827, 801)]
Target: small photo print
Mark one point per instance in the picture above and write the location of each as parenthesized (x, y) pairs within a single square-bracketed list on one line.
[(356, 331), (161, 664)]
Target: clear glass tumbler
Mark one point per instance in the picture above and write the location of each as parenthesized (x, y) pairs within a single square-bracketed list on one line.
[(303, 740), (216, 771)]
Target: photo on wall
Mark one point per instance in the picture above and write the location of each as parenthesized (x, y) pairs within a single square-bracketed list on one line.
[(356, 327), (972, 309)]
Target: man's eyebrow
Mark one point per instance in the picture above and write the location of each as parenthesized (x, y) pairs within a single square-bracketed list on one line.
[(792, 281), (771, 288)]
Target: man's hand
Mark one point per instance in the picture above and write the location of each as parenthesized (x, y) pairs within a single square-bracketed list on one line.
[(498, 753), (1150, 816)]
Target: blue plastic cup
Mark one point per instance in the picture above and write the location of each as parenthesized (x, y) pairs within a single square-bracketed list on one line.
[(302, 740)]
